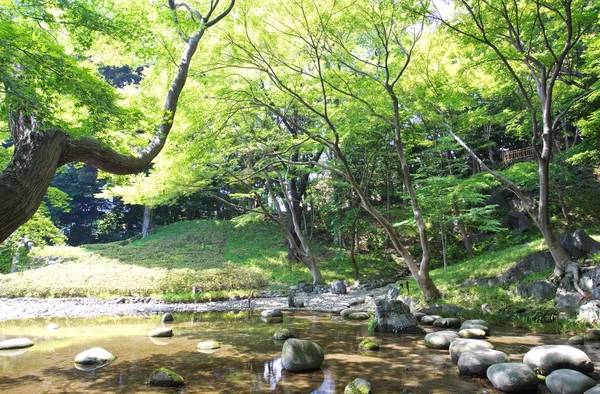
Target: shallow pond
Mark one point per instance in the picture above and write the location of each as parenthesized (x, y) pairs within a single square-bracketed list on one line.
[(247, 362)]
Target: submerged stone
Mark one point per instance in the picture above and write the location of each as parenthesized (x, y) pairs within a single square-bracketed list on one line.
[(368, 344), (358, 386)]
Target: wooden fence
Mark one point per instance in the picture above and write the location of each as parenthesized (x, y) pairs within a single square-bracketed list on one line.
[(523, 154)]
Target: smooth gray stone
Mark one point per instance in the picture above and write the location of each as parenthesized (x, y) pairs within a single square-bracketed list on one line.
[(568, 381), (513, 377), (299, 355), (548, 358), (440, 339), (460, 346), (477, 362), (161, 332)]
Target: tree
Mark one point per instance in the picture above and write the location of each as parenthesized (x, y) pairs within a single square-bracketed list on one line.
[(537, 44), (36, 72), (327, 61)]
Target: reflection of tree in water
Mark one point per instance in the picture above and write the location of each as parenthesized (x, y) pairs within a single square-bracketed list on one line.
[(271, 374)]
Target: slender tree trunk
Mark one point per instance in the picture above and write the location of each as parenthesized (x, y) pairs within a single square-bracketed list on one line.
[(147, 222), (463, 231), (353, 245)]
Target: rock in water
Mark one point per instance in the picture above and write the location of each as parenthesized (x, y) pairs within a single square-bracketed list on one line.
[(447, 322), (593, 390), (271, 313), (394, 316), (161, 332), (477, 362), (368, 344), (466, 345), (568, 381), (15, 343), (300, 355), (358, 316), (428, 320), (167, 318), (94, 357), (358, 386), (513, 377), (440, 339), (163, 377), (546, 359), (282, 334), (472, 333), (208, 345)]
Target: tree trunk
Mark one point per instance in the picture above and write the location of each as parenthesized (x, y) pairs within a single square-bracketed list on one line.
[(463, 231), (38, 154), (353, 245), (147, 222)]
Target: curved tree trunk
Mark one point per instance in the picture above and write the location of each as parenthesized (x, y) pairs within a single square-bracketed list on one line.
[(38, 154)]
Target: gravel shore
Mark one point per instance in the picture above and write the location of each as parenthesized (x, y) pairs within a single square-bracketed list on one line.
[(24, 308)]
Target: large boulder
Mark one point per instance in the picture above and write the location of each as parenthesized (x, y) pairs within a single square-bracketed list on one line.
[(540, 290), (394, 316), (440, 339), (338, 287), (578, 243), (163, 377), (95, 357), (300, 355), (460, 346), (477, 362), (593, 390), (447, 322), (513, 377), (16, 343), (548, 358), (161, 332), (358, 386), (534, 262), (567, 301), (568, 381)]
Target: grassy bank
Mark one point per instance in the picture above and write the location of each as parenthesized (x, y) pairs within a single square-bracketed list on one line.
[(223, 257)]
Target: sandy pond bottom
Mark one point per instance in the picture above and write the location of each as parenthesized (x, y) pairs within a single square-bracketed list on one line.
[(247, 362)]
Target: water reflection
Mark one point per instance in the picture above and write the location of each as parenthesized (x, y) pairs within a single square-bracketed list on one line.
[(249, 360)]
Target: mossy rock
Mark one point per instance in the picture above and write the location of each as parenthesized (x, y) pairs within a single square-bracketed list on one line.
[(208, 345), (282, 334), (163, 377), (368, 344), (358, 386), (359, 316)]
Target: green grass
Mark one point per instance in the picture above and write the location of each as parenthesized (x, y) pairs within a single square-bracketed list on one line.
[(224, 257)]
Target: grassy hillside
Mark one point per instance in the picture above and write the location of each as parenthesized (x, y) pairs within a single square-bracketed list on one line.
[(219, 255)]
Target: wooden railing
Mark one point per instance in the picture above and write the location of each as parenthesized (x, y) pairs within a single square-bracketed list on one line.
[(523, 154)]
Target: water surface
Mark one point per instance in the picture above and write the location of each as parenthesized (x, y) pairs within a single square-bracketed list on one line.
[(248, 361)]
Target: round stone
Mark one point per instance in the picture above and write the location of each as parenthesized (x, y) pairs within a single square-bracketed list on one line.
[(575, 340), (440, 339), (447, 322), (358, 316), (167, 317), (568, 381), (358, 386), (368, 344), (593, 390), (271, 313), (460, 346), (512, 377), (477, 362), (161, 332), (163, 377), (548, 358), (95, 356), (466, 326), (299, 355), (15, 343), (282, 334), (472, 333), (428, 320), (208, 345)]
